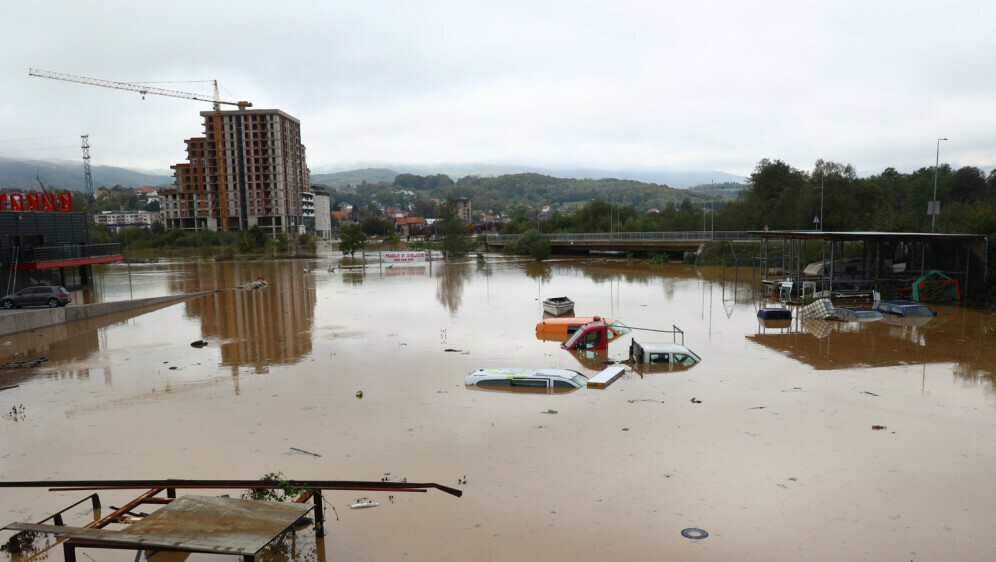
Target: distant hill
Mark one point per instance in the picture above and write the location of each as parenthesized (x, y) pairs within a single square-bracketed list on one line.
[(671, 178), (725, 190), (68, 175), (354, 177)]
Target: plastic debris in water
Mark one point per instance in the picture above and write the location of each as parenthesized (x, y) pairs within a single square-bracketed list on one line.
[(363, 502), (694, 533)]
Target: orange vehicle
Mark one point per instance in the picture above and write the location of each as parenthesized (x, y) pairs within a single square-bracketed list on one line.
[(598, 331), (569, 325)]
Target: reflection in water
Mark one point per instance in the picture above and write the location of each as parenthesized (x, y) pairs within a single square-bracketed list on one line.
[(449, 284), (539, 271), (406, 270), (259, 327), (750, 430), (951, 338)]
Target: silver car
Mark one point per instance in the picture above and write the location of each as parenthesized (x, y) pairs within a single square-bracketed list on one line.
[(37, 296)]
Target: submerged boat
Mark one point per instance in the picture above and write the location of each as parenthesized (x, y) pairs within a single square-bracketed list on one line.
[(558, 306)]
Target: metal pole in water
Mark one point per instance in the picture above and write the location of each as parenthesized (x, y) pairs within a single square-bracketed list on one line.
[(131, 293)]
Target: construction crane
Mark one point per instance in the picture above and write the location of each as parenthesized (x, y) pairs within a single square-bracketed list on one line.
[(219, 132)]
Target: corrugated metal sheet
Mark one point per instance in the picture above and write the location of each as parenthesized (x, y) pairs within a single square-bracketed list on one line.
[(196, 524)]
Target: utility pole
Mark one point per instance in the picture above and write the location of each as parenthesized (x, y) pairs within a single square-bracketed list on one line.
[(935, 208)]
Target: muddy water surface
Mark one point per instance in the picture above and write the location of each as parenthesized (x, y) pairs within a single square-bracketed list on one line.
[(776, 459)]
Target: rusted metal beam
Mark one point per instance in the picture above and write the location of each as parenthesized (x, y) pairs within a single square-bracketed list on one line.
[(226, 484), (121, 511), (264, 487)]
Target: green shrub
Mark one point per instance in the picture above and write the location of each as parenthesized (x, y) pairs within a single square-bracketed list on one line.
[(540, 249)]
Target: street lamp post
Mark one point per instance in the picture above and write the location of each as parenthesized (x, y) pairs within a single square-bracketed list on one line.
[(933, 204)]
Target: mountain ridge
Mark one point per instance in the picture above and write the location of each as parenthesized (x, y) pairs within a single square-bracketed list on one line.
[(68, 175)]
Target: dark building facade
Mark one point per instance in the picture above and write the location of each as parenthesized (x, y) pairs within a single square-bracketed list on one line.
[(49, 248)]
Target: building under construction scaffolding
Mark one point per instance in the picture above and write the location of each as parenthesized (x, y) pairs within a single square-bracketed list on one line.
[(857, 263), (259, 181)]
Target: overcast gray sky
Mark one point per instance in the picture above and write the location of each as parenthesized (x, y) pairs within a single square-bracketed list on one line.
[(607, 85)]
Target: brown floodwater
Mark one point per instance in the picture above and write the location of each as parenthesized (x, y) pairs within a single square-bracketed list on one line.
[(776, 459)]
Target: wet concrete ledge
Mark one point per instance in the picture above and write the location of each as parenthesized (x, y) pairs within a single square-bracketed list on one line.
[(24, 320)]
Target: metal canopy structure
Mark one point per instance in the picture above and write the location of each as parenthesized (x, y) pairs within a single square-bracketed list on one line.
[(217, 525), (192, 524), (892, 260)]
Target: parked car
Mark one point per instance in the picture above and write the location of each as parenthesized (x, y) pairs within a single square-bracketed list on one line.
[(37, 296), (904, 309), (527, 380), (857, 314)]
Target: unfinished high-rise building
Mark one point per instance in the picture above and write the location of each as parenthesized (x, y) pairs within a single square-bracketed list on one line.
[(264, 176)]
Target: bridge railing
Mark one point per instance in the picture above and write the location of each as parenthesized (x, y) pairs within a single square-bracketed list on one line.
[(696, 235)]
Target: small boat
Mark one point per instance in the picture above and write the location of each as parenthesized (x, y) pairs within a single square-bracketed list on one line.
[(558, 306)]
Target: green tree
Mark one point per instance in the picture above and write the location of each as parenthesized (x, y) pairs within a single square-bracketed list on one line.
[(352, 239), (257, 237), (424, 208), (376, 226)]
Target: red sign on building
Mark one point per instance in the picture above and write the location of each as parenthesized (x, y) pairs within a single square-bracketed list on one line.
[(44, 202)]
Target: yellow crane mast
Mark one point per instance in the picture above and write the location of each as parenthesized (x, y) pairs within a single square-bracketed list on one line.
[(219, 132)]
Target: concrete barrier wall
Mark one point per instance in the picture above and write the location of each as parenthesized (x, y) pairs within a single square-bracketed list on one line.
[(24, 320)]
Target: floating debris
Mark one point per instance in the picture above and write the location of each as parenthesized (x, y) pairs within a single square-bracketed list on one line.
[(462, 481), (694, 533), (549, 412), (21, 542), (866, 392), (696, 400), (9, 387), (878, 427), (452, 350), (758, 408), (259, 283), (305, 452), (198, 344), (359, 394), (16, 414), (363, 502), (26, 364)]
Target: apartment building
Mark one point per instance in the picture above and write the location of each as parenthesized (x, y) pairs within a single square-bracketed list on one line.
[(115, 220), (463, 209), (323, 212), (266, 174)]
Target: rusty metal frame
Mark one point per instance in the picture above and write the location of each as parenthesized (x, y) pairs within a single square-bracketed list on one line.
[(312, 492)]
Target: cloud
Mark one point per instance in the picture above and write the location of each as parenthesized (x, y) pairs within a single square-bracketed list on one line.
[(715, 85)]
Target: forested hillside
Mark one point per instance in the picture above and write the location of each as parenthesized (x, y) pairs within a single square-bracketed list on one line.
[(68, 175), (505, 194)]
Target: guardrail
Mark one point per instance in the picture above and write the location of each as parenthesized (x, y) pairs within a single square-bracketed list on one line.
[(633, 236), (67, 252)]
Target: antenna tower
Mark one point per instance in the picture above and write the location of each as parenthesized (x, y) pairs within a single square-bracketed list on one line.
[(87, 179)]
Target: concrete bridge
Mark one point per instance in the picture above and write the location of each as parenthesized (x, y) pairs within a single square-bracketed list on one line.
[(638, 243)]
